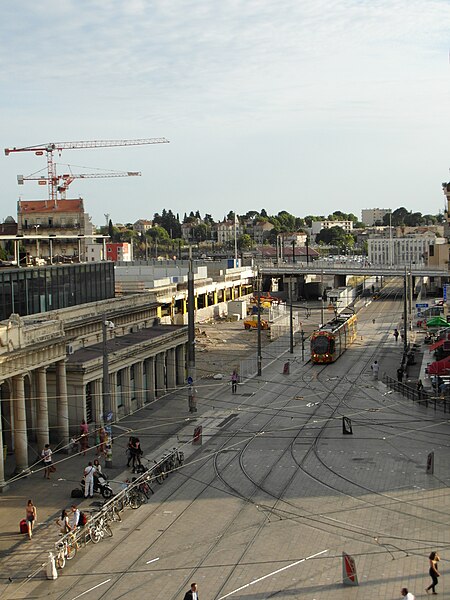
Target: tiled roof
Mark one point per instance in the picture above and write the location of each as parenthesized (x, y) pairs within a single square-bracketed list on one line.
[(48, 206)]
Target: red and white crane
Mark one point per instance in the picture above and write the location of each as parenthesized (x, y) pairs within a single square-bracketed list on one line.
[(64, 180), (53, 179)]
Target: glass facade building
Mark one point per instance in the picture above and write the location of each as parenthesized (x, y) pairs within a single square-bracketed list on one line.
[(40, 289)]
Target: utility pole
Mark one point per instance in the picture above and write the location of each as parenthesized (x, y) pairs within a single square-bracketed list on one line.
[(191, 336), (303, 345), (322, 290), (293, 252), (291, 320), (259, 352), (307, 250), (405, 313), (107, 412)]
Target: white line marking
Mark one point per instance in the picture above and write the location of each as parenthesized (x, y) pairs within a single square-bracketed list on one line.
[(153, 560), (90, 589), (273, 573)]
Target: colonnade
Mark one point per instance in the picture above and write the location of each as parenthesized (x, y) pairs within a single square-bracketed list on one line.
[(18, 423), (28, 407)]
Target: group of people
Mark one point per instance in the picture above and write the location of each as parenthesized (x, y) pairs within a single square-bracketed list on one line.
[(69, 521), (81, 443)]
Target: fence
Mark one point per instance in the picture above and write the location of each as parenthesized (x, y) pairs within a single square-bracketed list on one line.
[(422, 396)]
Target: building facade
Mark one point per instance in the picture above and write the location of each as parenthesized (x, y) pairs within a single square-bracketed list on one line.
[(400, 251), (372, 216), (317, 226)]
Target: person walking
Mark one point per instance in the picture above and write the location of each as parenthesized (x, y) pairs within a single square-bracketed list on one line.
[(400, 374), (419, 388), (136, 453), (84, 437), (102, 440), (46, 455), (89, 481), (234, 381), (434, 573), (404, 592), (192, 594), (375, 369), (396, 334), (31, 515)]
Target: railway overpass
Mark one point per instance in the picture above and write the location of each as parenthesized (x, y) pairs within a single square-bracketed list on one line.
[(337, 274)]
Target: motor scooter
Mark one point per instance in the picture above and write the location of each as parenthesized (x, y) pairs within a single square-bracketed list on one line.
[(101, 485)]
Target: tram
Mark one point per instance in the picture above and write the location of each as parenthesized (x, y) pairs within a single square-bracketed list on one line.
[(333, 338)]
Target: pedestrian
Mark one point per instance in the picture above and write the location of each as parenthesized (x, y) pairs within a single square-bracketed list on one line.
[(234, 381), (102, 439), (404, 592), (419, 388), (129, 451), (47, 460), (75, 517), (63, 522), (192, 594), (136, 453), (375, 369), (89, 480), (396, 334), (400, 374), (434, 573), (84, 437), (98, 467), (31, 515)]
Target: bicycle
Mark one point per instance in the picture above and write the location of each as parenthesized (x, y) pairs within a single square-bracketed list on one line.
[(66, 549), (99, 529)]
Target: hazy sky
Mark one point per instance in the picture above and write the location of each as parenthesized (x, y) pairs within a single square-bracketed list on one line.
[(307, 106)]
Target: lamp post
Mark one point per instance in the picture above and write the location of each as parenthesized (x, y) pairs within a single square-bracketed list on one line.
[(107, 412)]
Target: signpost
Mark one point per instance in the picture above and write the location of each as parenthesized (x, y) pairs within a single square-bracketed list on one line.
[(422, 305)]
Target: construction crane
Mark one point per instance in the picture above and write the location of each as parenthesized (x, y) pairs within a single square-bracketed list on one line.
[(63, 181), (50, 148)]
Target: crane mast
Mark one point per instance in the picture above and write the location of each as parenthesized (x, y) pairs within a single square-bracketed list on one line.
[(50, 148)]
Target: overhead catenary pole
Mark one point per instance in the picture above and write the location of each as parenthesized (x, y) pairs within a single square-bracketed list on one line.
[(235, 240), (259, 351), (405, 313), (191, 337), (107, 413), (291, 320)]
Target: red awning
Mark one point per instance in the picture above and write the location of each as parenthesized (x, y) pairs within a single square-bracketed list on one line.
[(440, 367), (437, 344)]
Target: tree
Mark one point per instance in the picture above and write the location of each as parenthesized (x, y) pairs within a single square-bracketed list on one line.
[(245, 242)]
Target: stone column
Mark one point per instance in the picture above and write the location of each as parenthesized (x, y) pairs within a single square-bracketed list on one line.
[(180, 364), (3, 487), (97, 392), (42, 408), (20, 425), (150, 377), (160, 379), (113, 393), (126, 389), (171, 370), (62, 405), (139, 383)]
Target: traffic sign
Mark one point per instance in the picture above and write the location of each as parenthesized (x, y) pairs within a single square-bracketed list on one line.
[(423, 305)]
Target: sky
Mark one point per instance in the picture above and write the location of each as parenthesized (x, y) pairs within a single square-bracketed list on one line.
[(307, 106)]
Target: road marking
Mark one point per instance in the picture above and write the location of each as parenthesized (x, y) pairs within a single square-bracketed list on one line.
[(153, 560), (297, 562), (90, 589)]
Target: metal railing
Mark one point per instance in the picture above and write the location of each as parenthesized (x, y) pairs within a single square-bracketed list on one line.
[(420, 396), (97, 525)]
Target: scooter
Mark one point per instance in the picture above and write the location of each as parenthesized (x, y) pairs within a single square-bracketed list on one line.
[(101, 486)]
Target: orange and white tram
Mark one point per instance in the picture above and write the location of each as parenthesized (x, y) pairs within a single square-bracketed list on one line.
[(333, 338)]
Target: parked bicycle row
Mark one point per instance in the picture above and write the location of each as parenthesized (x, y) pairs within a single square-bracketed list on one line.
[(80, 528)]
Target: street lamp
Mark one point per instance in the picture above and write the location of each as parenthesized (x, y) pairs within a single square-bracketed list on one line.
[(107, 412)]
